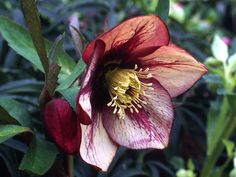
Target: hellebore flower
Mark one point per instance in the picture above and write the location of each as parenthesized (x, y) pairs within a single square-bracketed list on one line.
[(125, 98), (61, 125)]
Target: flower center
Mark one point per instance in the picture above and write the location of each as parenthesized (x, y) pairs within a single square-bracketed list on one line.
[(125, 89)]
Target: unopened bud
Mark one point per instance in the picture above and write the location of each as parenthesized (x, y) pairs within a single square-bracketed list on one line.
[(62, 126)]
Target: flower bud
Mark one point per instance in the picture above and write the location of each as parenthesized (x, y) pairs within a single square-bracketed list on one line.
[(62, 126)]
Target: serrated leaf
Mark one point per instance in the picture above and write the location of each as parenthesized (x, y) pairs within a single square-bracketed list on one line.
[(163, 8), (8, 131), (39, 157), (18, 38), (66, 83), (219, 49), (12, 111)]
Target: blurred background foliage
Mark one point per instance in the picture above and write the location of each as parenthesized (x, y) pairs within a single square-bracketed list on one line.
[(202, 138)]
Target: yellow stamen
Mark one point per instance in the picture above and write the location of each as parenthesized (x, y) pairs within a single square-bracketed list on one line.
[(125, 89)]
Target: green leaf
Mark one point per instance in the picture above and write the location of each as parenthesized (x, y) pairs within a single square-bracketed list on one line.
[(31, 15), (54, 68), (219, 49), (229, 147), (70, 95), (231, 71), (232, 101), (216, 121), (67, 82), (190, 165), (56, 48), (39, 157), (163, 8), (22, 86), (12, 111), (8, 131), (18, 38)]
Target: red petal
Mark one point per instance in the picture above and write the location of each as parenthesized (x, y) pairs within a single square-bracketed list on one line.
[(83, 101), (96, 147), (174, 68), (139, 34), (150, 128), (62, 126)]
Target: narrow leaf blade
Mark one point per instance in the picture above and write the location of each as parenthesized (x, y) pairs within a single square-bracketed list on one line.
[(8, 131), (12, 111), (163, 9), (66, 83)]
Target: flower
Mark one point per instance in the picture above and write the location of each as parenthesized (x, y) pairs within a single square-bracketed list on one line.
[(125, 97), (61, 125)]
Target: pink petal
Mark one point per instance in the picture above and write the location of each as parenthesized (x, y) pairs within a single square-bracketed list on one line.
[(139, 34), (150, 128), (83, 101), (96, 147), (174, 68)]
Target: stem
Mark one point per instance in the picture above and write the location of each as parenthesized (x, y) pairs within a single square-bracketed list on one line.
[(70, 165), (31, 15), (211, 160), (219, 147)]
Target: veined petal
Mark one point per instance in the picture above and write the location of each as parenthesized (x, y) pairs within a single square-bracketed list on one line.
[(137, 35), (83, 101), (150, 128), (96, 146), (174, 68)]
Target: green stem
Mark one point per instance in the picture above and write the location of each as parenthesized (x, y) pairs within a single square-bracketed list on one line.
[(70, 165), (33, 21), (219, 147)]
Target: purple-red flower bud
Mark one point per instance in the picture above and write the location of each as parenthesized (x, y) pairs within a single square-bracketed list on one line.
[(62, 126)]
